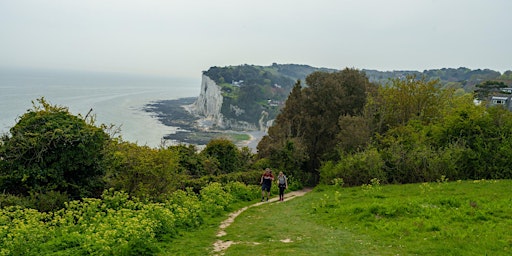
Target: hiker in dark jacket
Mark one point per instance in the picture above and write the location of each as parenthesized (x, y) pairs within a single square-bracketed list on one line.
[(266, 183)]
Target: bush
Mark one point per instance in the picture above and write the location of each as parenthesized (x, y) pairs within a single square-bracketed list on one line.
[(355, 169), (214, 199), (49, 149), (186, 208), (242, 192)]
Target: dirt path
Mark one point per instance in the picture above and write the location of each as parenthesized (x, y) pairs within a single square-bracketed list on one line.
[(220, 246)]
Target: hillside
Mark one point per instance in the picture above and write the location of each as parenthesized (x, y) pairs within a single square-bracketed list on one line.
[(464, 78), (248, 97), (252, 93)]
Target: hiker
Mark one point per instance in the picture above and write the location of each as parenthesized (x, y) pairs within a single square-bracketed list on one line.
[(266, 183), (282, 183)]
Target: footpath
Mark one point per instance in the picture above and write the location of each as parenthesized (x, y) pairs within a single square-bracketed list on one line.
[(220, 246)]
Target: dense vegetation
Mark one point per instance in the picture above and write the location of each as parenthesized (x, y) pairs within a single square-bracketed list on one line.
[(52, 156), (72, 187), (410, 130)]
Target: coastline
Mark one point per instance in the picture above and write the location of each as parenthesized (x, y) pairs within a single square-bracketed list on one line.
[(190, 129)]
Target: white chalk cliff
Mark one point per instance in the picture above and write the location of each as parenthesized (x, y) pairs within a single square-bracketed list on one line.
[(208, 107)]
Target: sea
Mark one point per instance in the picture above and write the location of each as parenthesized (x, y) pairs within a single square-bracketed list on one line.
[(115, 98)]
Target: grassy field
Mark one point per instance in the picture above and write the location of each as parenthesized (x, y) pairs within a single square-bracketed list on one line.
[(443, 218)]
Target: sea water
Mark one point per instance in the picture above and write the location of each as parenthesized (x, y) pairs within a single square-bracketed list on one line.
[(117, 99)]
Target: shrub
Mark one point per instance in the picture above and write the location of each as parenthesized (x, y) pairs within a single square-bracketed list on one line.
[(214, 199), (242, 192), (186, 208), (355, 169), (49, 149)]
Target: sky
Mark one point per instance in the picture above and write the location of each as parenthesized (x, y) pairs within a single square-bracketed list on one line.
[(182, 38)]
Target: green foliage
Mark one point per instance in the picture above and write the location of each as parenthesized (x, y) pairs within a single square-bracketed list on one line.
[(307, 127), (45, 202), (215, 200), (142, 171), (402, 100), (489, 88), (49, 149), (354, 169), (249, 74), (422, 132), (190, 162), (507, 75), (115, 224), (186, 206), (242, 192), (226, 153), (354, 134)]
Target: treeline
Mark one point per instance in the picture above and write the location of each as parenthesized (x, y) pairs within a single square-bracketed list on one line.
[(342, 126), (51, 156), (462, 77)]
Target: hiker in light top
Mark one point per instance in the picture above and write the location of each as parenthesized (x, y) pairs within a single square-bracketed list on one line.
[(266, 183), (282, 183)]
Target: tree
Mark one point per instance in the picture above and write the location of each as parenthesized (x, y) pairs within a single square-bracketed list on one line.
[(142, 171), (328, 97), (310, 119), (354, 134), (226, 153), (190, 162), (405, 99), (52, 150), (282, 145)]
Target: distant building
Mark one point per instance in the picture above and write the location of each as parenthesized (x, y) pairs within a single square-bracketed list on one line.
[(237, 83), (505, 101), (274, 103), (507, 90)]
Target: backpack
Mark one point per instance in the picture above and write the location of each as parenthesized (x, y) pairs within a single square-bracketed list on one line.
[(282, 180)]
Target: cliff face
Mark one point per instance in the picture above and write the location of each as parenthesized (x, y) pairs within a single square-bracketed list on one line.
[(208, 107), (245, 97), (209, 102)]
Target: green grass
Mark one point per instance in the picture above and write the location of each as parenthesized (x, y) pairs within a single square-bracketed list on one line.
[(197, 241), (261, 230), (237, 137), (443, 218)]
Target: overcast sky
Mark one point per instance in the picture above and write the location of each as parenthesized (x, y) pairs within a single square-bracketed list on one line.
[(181, 38)]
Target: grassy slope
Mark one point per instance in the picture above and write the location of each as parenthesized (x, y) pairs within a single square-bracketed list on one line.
[(455, 218)]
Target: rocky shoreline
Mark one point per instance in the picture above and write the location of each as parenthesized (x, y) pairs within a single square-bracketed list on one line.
[(174, 113)]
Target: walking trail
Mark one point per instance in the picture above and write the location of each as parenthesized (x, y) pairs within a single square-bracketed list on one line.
[(220, 246)]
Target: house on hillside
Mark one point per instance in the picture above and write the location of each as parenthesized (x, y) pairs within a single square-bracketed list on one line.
[(507, 90), (505, 101), (237, 83)]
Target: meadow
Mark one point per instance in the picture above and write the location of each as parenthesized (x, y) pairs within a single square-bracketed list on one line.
[(439, 218)]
